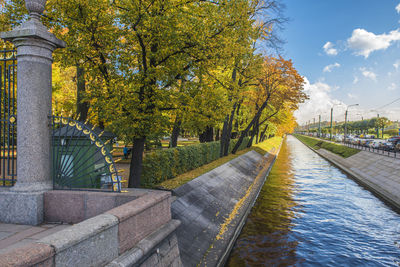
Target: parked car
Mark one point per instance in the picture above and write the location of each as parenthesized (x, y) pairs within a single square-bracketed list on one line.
[(388, 146), (338, 138), (395, 140), (365, 142), (376, 143)]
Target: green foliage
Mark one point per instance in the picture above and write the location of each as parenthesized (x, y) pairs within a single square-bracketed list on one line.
[(340, 150), (392, 132), (166, 164)]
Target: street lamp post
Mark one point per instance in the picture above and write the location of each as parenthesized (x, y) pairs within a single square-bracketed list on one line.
[(377, 128), (345, 121), (330, 137), (319, 127)]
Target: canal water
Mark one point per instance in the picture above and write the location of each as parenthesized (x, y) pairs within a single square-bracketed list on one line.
[(309, 213)]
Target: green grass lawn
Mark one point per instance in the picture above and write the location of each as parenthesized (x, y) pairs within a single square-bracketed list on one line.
[(262, 148), (340, 150)]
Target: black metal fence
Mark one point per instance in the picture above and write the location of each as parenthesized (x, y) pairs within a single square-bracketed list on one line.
[(8, 111), (82, 157), (379, 150)]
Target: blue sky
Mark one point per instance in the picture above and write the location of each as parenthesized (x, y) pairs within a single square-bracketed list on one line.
[(349, 52)]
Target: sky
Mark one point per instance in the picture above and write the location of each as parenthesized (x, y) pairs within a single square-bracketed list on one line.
[(348, 52)]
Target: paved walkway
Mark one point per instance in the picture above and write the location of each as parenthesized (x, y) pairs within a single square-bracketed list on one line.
[(15, 235)]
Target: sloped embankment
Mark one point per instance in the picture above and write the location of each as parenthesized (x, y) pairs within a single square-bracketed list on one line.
[(214, 207), (378, 173)]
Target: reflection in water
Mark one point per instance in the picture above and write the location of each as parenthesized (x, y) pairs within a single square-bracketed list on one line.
[(309, 213)]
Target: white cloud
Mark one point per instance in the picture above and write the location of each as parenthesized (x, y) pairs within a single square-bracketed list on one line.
[(398, 8), (368, 74), (396, 65), (320, 102), (329, 49), (364, 42), (392, 87), (331, 66), (355, 80), (352, 96)]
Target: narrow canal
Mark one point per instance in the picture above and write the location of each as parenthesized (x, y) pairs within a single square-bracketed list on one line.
[(309, 213)]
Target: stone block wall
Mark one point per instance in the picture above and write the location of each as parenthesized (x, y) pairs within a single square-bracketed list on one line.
[(139, 232), (75, 206), (166, 255)]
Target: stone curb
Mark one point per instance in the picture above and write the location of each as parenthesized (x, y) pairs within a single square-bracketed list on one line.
[(79, 232), (370, 186), (29, 255), (127, 210), (134, 255)]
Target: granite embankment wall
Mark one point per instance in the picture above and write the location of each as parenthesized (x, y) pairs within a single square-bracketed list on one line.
[(142, 228), (378, 173), (213, 208), (128, 229)]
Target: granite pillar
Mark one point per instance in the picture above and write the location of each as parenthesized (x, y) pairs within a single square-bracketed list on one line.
[(35, 46)]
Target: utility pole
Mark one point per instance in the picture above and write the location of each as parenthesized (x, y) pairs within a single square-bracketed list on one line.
[(345, 121), (330, 137), (319, 126), (377, 129), (313, 125), (332, 119), (345, 126)]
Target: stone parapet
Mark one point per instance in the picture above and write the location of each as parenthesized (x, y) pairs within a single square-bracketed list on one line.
[(140, 218), (139, 231), (21, 207), (158, 249), (30, 255), (75, 206)]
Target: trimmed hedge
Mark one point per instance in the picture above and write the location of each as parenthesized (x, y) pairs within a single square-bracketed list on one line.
[(166, 164)]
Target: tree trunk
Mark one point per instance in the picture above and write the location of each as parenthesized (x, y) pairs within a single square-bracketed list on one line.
[(245, 132), (217, 135), (210, 134), (223, 136), (263, 133), (175, 133), (207, 135), (252, 137), (254, 132), (257, 131), (229, 132), (82, 107), (226, 132), (136, 162)]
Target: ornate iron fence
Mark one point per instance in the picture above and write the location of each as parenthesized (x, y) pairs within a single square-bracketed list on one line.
[(81, 154), (8, 111), (82, 157)]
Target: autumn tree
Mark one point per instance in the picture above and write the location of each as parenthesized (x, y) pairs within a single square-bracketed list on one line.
[(279, 84), (88, 27), (164, 42)]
